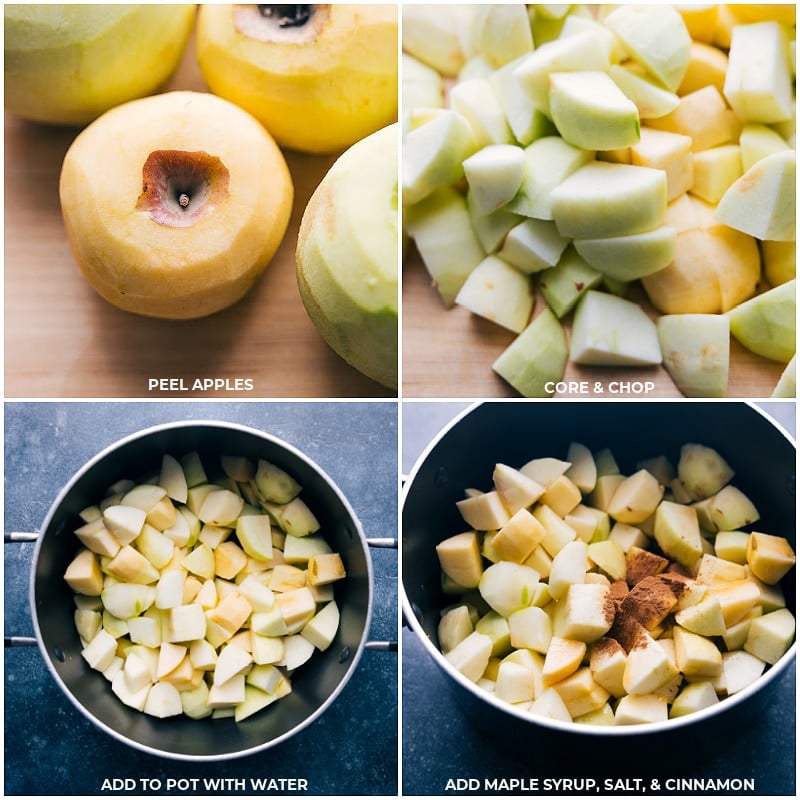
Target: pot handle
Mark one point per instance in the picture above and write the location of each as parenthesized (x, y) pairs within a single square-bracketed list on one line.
[(386, 647), (20, 536)]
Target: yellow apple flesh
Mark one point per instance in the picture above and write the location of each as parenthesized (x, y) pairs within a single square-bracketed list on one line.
[(174, 204), (318, 84), (67, 64), (347, 260)]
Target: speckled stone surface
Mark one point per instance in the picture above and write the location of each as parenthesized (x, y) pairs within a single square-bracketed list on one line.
[(52, 749), (446, 739)]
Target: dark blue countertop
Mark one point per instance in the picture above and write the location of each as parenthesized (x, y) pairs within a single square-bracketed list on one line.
[(52, 749), (445, 739)]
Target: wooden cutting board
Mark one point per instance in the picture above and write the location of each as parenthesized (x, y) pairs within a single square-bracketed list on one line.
[(63, 340), (449, 353)]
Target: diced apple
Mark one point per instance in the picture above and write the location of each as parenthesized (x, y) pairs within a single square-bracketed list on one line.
[(766, 324), (515, 683), (222, 695), (644, 29), (563, 285), (531, 628), (648, 667), (185, 623), (651, 99), (569, 566), (200, 561), (609, 556), (630, 257), (124, 521), (581, 693), (100, 651), (98, 538), (275, 484), (460, 558), (83, 574), (173, 479), (704, 618), (527, 121), (770, 557), (494, 175), (771, 635), (130, 566), (677, 532), (758, 81), (588, 612), (442, 229), (562, 495), (607, 660), (762, 202), (498, 292), (508, 587), (163, 700), (221, 507), (564, 656), (696, 656), (297, 519), (702, 470), (476, 101), (636, 498), (435, 145), (696, 352), (550, 705), (611, 330), (519, 537), (590, 111), (134, 699), (693, 697), (787, 383), (740, 669), (588, 50), (254, 535), (471, 655), (602, 199), (484, 511), (548, 162)]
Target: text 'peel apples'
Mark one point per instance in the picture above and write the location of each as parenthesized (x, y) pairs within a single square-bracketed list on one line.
[(658, 140), (174, 204), (319, 76), (210, 620), (347, 260), (67, 64), (588, 595)]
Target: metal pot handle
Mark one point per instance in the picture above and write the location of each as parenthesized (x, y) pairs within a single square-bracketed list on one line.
[(389, 647)]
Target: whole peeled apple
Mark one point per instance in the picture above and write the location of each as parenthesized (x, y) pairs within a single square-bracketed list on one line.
[(319, 77), (174, 204), (67, 64), (347, 260)]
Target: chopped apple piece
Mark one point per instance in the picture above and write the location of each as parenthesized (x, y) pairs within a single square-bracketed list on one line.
[(83, 574), (498, 292), (255, 537), (568, 568), (519, 537), (643, 29), (696, 352), (771, 635), (550, 705), (471, 655), (627, 258), (611, 330), (769, 557), (636, 498), (460, 558), (591, 111), (587, 614), (702, 470), (484, 511), (508, 587), (564, 656), (274, 484), (740, 669), (693, 697), (766, 324), (602, 199), (758, 81), (762, 202), (124, 521)]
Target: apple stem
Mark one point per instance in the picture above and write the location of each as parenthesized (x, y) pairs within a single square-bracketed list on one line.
[(287, 14), (183, 200)]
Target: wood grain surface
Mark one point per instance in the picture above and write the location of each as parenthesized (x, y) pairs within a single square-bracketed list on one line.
[(449, 353), (63, 340)]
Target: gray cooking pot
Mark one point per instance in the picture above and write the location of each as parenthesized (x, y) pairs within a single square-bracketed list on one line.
[(463, 455), (315, 685)]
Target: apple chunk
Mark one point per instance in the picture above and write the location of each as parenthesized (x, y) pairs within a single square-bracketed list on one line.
[(611, 330), (766, 323), (602, 199), (591, 111), (696, 351), (536, 359)]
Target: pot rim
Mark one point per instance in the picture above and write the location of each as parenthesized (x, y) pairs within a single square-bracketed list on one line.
[(247, 430), (410, 619)]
